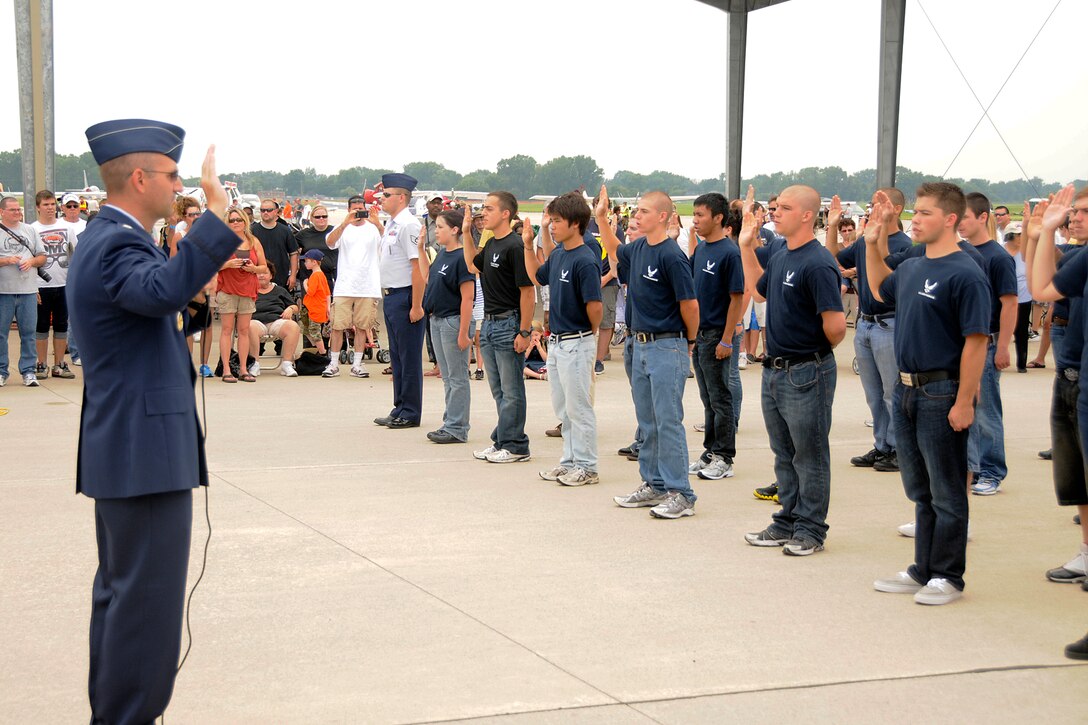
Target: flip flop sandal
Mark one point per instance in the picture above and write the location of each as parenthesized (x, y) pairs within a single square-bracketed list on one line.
[(229, 379), (247, 378)]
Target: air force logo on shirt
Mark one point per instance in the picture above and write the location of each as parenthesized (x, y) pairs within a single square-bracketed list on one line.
[(495, 261), (443, 270), (651, 274), (710, 267), (788, 281), (564, 275), (927, 289)]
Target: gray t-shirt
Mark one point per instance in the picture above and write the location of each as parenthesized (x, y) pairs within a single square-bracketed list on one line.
[(14, 281)]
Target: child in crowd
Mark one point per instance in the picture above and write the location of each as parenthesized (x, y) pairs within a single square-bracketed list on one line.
[(318, 299), (536, 357)]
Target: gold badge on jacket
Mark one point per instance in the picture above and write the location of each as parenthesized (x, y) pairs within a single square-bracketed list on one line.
[(181, 322)]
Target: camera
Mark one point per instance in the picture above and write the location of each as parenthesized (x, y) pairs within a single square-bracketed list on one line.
[(46, 277), (362, 214)]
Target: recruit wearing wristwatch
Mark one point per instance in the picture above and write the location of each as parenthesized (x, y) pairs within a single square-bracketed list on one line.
[(525, 333)]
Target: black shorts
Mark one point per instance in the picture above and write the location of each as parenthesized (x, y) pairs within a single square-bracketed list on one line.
[(53, 312), (1068, 462)]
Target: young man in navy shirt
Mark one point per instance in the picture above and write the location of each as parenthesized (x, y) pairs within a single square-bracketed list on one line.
[(805, 322), (874, 332), (942, 302), (719, 288), (509, 301), (986, 449), (573, 274), (664, 322), (1069, 412)]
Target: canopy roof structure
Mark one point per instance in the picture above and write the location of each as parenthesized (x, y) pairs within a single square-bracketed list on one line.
[(892, 24)]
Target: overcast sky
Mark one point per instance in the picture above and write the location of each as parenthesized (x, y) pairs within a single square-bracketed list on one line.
[(635, 84)]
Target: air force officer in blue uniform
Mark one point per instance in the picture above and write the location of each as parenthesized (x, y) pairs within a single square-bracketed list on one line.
[(141, 450)]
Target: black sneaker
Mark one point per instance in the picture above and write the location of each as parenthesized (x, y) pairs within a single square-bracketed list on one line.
[(888, 463), (479, 374), (767, 493), (626, 451), (1047, 455), (1078, 650), (41, 371), (868, 460)]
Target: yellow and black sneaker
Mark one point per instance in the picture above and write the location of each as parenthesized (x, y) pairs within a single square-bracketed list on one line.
[(767, 493)]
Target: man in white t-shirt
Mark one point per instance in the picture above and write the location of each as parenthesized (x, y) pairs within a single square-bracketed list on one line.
[(59, 238), (358, 284), (70, 207)]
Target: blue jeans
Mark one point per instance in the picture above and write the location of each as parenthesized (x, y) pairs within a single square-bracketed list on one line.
[(1057, 337), (453, 364), (933, 465), (735, 388), (570, 373), (24, 310), (874, 348), (628, 354), (504, 368), (712, 376), (986, 444), (797, 413), (659, 371)]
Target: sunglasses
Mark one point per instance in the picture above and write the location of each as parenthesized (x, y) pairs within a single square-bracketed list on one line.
[(71, 206), (192, 215), (236, 220), (320, 216), (267, 211)]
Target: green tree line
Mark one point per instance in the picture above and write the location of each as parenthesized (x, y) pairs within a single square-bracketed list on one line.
[(525, 176)]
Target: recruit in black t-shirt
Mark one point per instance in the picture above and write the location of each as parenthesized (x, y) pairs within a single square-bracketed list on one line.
[(1072, 281), (919, 250), (853, 257), (799, 285), (574, 278), (623, 274), (660, 278), (1001, 271), (502, 274), (937, 302), (717, 273), (442, 298), (772, 245)]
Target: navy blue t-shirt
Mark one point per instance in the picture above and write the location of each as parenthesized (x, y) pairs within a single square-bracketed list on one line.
[(772, 245), (623, 274), (1071, 279), (937, 302), (1061, 307), (800, 284), (853, 257), (919, 250), (442, 298), (574, 278), (592, 238), (660, 277), (717, 271), (1001, 271)]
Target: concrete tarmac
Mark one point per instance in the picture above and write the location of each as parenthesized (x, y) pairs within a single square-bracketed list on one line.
[(357, 574)]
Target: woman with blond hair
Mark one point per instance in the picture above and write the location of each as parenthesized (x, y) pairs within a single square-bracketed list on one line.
[(237, 294)]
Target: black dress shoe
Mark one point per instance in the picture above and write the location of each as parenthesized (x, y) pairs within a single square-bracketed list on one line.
[(441, 436), (402, 423), (632, 456), (1047, 455), (1078, 650), (625, 451), (384, 421)]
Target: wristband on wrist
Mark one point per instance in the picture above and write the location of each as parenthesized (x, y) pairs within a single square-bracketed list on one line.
[(725, 345)]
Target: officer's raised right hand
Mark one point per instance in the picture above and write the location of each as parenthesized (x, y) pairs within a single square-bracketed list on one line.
[(214, 193)]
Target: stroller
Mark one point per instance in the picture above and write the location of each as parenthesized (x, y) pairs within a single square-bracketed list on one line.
[(377, 352)]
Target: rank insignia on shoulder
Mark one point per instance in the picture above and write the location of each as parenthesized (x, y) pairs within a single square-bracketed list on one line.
[(181, 322)]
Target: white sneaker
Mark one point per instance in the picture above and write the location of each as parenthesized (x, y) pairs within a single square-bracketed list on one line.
[(255, 369), (907, 530), (504, 456), (359, 371), (196, 336), (901, 583), (287, 369), (30, 380), (742, 362), (3, 380), (482, 455), (553, 474), (331, 371), (717, 469), (698, 464), (937, 591), (579, 477)]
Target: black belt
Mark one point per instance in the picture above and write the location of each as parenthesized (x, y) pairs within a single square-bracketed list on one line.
[(386, 291), (571, 335), (712, 330), (1059, 321), (785, 363), (651, 336), (501, 315), (877, 318), (917, 380), (1070, 374)]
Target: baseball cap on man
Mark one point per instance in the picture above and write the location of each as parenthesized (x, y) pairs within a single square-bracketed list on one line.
[(69, 199)]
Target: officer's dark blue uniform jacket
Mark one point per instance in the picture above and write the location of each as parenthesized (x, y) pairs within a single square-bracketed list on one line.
[(139, 433)]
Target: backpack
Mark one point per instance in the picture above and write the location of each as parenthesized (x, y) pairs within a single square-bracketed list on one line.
[(310, 363)]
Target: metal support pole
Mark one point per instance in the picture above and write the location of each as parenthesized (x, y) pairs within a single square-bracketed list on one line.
[(34, 57), (734, 114), (892, 24)]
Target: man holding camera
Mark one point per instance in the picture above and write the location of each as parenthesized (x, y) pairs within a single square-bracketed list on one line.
[(21, 251), (358, 284)]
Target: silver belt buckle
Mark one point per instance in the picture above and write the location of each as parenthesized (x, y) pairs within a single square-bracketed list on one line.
[(778, 363), (642, 337)]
